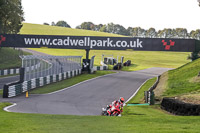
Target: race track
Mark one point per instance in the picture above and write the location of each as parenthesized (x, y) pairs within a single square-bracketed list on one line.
[(85, 98)]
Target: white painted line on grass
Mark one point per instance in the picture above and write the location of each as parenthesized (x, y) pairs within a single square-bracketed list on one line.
[(6, 108)]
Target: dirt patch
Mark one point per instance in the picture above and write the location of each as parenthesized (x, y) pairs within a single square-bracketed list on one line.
[(190, 98), (162, 85), (195, 79)]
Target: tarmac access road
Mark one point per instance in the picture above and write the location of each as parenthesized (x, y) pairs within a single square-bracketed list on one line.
[(6, 80), (86, 98)]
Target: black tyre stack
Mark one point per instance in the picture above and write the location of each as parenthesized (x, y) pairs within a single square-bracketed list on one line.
[(177, 107)]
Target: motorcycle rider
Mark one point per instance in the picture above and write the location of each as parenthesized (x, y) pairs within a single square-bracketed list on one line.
[(118, 103)]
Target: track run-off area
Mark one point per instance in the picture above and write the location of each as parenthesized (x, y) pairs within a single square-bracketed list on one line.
[(86, 98)]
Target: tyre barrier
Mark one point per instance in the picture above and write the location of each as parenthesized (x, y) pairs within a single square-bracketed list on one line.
[(118, 66), (127, 63), (14, 89), (5, 72), (177, 107)]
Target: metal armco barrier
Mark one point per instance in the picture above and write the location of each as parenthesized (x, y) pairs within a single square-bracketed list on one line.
[(9, 71), (96, 68), (41, 66), (42, 70), (14, 89), (149, 95)]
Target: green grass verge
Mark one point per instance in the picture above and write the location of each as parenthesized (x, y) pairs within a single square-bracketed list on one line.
[(139, 97), (179, 80), (9, 58), (1, 92), (68, 82)]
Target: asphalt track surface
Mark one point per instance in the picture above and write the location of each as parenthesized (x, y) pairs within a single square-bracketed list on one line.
[(9, 79), (86, 98)]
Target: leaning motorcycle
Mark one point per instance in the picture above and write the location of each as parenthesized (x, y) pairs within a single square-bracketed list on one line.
[(112, 111)]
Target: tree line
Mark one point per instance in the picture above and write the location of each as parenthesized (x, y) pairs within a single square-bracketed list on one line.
[(135, 31), (12, 16)]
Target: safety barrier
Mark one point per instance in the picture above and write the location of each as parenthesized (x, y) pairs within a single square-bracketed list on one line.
[(96, 68), (14, 89), (149, 95), (155, 84), (9, 71), (177, 107)]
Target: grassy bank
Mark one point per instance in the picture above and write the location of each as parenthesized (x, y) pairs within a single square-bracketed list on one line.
[(181, 80), (37, 29), (9, 58), (182, 83), (140, 59)]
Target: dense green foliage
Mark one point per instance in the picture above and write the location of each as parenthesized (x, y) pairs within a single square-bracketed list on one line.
[(179, 80), (11, 16), (62, 24)]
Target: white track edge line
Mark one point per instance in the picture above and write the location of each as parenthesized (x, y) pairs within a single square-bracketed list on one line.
[(136, 91), (6, 108), (77, 84)]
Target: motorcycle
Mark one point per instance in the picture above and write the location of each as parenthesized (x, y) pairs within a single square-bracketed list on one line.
[(112, 110)]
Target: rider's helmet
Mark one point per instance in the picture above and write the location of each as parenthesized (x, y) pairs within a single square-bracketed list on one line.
[(121, 99)]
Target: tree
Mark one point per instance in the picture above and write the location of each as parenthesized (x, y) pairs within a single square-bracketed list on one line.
[(130, 31), (166, 33), (151, 33), (11, 16), (195, 34), (114, 28), (103, 28), (182, 33), (87, 26), (78, 27), (53, 24), (62, 24), (45, 24), (97, 27), (139, 32)]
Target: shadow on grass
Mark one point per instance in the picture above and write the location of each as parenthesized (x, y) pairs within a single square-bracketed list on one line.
[(135, 114)]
